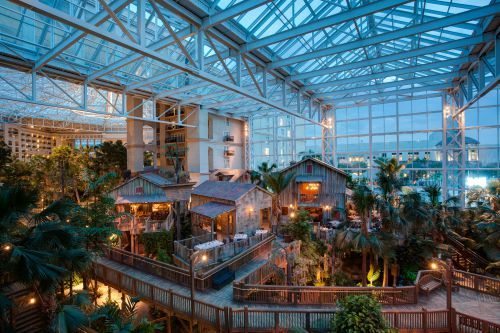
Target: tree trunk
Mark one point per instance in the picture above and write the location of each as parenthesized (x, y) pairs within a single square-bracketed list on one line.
[(178, 219), (363, 267), (364, 230), (385, 281), (71, 284)]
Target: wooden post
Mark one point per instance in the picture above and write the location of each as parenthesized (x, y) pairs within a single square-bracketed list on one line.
[(217, 321), (226, 319), (276, 322), (452, 320), (170, 299), (485, 327), (245, 319), (308, 321), (424, 319)]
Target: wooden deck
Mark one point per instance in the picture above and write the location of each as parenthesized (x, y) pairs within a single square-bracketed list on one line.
[(479, 305)]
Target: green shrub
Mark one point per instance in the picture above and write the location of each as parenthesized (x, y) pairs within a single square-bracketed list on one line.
[(342, 279), (163, 256), (154, 241), (358, 314)]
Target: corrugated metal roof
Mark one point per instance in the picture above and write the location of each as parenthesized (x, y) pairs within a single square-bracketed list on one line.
[(315, 160), (156, 179), (212, 209), (131, 199), (223, 190)]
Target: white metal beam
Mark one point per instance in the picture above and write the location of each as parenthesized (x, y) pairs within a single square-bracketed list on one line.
[(232, 11), (461, 43), (400, 83), (345, 16), (437, 24), (395, 72), (74, 37)]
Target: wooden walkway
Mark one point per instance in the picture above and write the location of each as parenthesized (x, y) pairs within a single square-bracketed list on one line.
[(476, 304)]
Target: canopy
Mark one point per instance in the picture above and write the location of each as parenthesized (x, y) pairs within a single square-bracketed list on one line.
[(308, 179), (132, 199), (212, 209)]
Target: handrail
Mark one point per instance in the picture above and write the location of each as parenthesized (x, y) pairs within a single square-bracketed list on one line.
[(474, 259), (180, 275), (244, 319)]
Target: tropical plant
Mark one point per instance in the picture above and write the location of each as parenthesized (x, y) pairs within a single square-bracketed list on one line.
[(258, 176), (40, 250), (364, 201), (299, 226), (277, 182), (358, 313)]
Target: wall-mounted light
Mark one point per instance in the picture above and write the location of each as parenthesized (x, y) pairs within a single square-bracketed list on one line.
[(32, 300)]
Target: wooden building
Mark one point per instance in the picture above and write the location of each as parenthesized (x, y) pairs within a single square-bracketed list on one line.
[(147, 205), (227, 208), (317, 187)]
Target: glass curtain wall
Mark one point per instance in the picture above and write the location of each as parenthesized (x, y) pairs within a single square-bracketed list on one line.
[(295, 139), (412, 131)]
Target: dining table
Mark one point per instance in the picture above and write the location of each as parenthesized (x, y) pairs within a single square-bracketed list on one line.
[(208, 245)]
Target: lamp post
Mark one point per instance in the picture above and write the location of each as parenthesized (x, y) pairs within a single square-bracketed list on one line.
[(448, 276), (194, 258)]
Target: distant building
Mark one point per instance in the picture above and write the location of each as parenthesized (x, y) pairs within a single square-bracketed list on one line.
[(317, 187), (226, 208)]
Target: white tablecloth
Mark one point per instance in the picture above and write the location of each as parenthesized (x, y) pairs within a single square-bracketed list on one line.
[(208, 245), (238, 237), (261, 232)]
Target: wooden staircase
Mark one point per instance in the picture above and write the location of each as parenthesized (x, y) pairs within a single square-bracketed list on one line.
[(24, 316), (464, 258)]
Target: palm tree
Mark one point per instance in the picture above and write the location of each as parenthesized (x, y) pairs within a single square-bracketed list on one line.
[(39, 251), (258, 176), (277, 182), (433, 192), (388, 177), (415, 214), (390, 184), (364, 200)]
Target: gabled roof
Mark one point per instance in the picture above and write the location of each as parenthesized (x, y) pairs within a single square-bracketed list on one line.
[(212, 209), (156, 179), (224, 190), (315, 160)]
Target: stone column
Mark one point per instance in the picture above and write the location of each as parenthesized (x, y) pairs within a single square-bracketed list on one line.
[(135, 141)]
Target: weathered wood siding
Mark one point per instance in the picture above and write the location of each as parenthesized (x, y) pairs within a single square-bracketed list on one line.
[(332, 189), (247, 221), (248, 210), (130, 188)]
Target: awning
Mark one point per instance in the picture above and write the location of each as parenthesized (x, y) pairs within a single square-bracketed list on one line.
[(308, 179), (212, 209), (133, 199)]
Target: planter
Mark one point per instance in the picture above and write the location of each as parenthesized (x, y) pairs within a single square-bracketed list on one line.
[(287, 238)]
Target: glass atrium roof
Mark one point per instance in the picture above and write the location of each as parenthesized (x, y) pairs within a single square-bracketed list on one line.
[(238, 57)]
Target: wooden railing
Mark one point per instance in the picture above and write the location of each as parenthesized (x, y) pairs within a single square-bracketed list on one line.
[(464, 258), (479, 283), (150, 266), (309, 295), (203, 280), (218, 254), (470, 324), (244, 319)]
